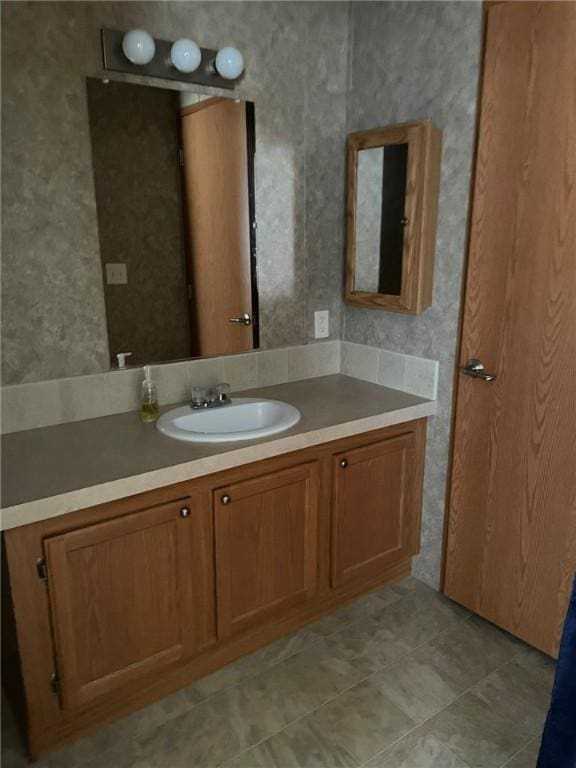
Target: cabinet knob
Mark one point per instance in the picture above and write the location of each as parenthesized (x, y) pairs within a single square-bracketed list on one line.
[(185, 512), (226, 499), (343, 463)]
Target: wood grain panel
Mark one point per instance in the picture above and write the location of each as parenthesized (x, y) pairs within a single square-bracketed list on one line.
[(214, 141), (266, 546), (375, 517), (123, 602), (511, 535)]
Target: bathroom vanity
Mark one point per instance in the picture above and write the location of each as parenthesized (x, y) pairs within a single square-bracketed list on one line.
[(138, 564)]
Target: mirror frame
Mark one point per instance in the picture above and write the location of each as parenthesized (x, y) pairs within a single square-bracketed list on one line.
[(421, 210)]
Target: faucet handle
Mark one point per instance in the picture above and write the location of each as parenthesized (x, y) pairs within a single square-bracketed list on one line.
[(222, 391), (121, 357), (198, 396)]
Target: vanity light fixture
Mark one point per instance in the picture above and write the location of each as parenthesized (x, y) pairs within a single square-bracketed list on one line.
[(138, 46), (137, 52), (229, 63), (185, 55)]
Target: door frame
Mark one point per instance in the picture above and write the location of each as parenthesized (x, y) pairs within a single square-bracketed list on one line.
[(463, 293)]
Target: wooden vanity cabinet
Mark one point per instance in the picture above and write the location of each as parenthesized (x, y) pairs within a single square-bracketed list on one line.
[(266, 546), (124, 603), (375, 508), (129, 596)]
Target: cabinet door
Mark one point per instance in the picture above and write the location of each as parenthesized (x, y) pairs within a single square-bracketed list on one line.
[(130, 596), (266, 546), (375, 507)]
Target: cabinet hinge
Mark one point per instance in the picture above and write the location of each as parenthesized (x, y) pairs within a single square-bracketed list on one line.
[(42, 570), (55, 684), (181, 157)]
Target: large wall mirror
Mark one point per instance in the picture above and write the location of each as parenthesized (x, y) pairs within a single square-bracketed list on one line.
[(174, 185), (392, 200)]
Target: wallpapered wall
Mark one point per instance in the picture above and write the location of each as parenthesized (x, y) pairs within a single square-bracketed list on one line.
[(52, 297), (409, 61)]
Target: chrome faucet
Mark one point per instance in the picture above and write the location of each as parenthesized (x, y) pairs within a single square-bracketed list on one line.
[(212, 397)]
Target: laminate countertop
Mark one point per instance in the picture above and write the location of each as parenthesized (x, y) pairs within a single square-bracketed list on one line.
[(55, 470)]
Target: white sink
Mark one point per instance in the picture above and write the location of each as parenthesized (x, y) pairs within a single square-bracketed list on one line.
[(245, 418)]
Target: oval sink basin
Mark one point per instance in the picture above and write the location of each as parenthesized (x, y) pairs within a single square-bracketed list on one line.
[(245, 418)]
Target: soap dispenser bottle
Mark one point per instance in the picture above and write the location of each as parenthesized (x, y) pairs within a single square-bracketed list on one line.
[(149, 405)]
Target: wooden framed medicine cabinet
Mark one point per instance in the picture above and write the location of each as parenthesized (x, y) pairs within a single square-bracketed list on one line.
[(393, 177)]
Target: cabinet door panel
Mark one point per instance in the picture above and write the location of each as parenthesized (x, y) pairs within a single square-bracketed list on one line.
[(130, 596), (375, 515), (266, 546)]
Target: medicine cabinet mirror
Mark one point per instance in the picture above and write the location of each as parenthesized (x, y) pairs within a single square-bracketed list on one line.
[(392, 203), (174, 185)]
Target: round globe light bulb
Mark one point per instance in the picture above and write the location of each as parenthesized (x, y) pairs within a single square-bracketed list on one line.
[(185, 55), (138, 46), (229, 63)]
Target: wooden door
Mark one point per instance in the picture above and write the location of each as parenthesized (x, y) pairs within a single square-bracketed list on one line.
[(266, 546), (376, 508), (511, 533), (217, 208), (130, 596)]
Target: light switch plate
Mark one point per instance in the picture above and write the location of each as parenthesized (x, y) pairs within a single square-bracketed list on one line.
[(322, 324), (116, 274)]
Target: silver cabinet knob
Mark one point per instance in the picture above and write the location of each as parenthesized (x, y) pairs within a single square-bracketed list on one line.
[(185, 512), (475, 368), (226, 499), (343, 463)]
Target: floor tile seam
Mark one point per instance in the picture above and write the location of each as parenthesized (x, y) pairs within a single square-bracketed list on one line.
[(403, 656), (346, 690), (447, 706), (525, 746), (316, 641)]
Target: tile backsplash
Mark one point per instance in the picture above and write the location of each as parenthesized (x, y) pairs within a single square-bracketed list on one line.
[(45, 403), (417, 375)]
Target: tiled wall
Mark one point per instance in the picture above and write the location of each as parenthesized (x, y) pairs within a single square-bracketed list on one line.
[(45, 403), (416, 375)]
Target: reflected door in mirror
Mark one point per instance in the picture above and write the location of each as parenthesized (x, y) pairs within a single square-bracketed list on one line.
[(217, 212)]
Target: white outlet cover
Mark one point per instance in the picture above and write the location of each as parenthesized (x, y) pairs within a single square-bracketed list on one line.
[(322, 324), (116, 274)]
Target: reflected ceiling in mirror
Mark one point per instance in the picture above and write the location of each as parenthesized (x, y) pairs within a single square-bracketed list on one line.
[(174, 184)]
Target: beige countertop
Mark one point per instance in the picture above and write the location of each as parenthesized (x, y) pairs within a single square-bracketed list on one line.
[(56, 470)]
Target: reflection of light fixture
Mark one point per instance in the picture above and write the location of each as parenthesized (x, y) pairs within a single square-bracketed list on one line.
[(185, 55), (229, 63), (138, 46)]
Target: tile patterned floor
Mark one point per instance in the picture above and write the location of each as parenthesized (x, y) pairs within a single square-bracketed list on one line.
[(401, 678)]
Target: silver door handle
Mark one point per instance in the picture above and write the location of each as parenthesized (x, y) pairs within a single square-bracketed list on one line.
[(244, 319), (475, 368)]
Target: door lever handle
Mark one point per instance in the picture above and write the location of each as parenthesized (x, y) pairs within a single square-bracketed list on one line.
[(244, 319), (475, 368)]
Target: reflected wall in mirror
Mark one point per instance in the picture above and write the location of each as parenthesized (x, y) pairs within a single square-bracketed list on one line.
[(393, 180), (173, 177)]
